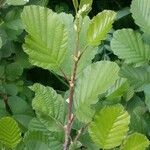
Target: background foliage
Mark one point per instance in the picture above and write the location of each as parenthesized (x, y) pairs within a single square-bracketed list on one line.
[(17, 76)]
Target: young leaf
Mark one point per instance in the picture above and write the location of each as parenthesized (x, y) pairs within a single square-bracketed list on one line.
[(94, 80), (99, 27), (90, 52), (85, 7), (128, 45), (136, 141), (49, 107), (85, 2), (46, 42), (109, 127), (75, 4), (140, 11), (10, 134)]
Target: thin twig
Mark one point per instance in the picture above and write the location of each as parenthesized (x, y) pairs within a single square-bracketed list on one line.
[(59, 78), (1, 3), (80, 131), (65, 76), (5, 99), (70, 115), (76, 58)]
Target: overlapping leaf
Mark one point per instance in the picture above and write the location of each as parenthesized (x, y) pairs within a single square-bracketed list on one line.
[(140, 11), (138, 77), (137, 110), (16, 2), (35, 140), (49, 107), (85, 2), (136, 141), (118, 89), (36, 125), (99, 27), (109, 127), (147, 96), (46, 42), (1, 42), (53, 140), (94, 80), (10, 134), (21, 110), (128, 45), (90, 52)]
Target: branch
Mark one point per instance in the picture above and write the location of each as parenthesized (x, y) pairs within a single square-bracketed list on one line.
[(76, 59), (5, 99), (65, 76), (71, 89), (59, 78), (80, 131)]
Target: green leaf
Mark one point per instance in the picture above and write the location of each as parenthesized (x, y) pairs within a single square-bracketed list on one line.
[(75, 146), (2, 71), (118, 89), (38, 141), (22, 112), (85, 2), (39, 2), (46, 42), (13, 19), (100, 26), (11, 89), (129, 46), (49, 107), (147, 96), (94, 80), (137, 109), (86, 141), (1, 42), (16, 2), (109, 127), (75, 4), (123, 13), (10, 134), (3, 111), (36, 125), (13, 71), (140, 11), (138, 77), (55, 140), (136, 141), (18, 105), (61, 7), (7, 49), (85, 7), (90, 52)]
